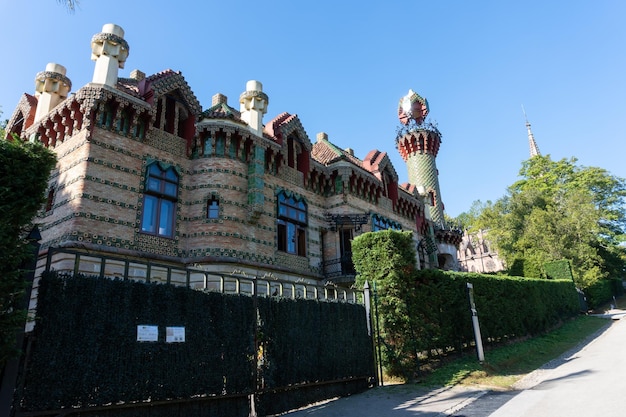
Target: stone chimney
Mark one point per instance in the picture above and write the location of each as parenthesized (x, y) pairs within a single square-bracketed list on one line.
[(219, 99), (253, 105), (137, 75), (51, 88), (109, 50)]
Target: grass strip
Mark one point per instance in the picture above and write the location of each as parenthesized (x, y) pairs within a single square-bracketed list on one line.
[(504, 365)]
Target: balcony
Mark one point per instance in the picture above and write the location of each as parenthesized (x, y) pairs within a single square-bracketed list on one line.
[(340, 270)]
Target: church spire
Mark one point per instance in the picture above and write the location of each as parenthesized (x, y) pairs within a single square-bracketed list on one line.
[(534, 149)]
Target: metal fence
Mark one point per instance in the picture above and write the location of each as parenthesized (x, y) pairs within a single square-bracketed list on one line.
[(194, 277)]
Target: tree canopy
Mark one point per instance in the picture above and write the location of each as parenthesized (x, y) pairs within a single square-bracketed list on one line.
[(559, 210), (24, 172)]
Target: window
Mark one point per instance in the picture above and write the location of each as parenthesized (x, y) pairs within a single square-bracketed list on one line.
[(50, 199), (382, 223), (159, 201), (292, 222), (123, 124), (213, 208)]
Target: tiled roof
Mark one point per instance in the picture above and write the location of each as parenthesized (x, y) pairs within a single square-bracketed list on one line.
[(26, 108), (222, 111), (129, 86), (283, 125), (326, 153), (167, 81)]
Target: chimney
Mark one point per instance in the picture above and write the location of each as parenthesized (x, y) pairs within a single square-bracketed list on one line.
[(109, 50), (219, 99), (253, 105), (137, 75), (51, 88), (322, 136)]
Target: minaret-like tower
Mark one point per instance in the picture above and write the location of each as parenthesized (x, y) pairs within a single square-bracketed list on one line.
[(534, 149), (418, 143), (109, 50)]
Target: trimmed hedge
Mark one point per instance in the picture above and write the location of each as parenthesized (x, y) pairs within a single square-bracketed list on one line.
[(85, 351), (426, 312)]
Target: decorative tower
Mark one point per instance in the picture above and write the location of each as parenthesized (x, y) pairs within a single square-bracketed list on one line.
[(109, 50), (534, 149), (51, 88), (418, 143), (253, 105)]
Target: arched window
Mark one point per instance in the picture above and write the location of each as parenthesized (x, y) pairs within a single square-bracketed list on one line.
[(213, 208), (50, 199), (292, 223), (123, 124), (159, 201)]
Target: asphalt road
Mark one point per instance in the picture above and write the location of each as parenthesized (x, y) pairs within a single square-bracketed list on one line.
[(589, 381)]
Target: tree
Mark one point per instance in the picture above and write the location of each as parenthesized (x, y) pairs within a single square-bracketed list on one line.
[(69, 4), (3, 125), (559, 210), (24, 172)]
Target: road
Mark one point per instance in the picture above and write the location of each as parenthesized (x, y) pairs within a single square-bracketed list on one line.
[(589, 383)]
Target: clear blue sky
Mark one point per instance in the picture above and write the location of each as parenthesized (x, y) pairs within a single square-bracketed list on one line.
[(342, 67)]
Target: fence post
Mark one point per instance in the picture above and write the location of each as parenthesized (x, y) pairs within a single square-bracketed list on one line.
[(475, 324), (368, 312)]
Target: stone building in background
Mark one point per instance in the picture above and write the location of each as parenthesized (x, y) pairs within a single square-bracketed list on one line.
[(151, 186)]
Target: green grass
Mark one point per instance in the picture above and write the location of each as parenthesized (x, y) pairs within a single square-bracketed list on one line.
[(504, 365)]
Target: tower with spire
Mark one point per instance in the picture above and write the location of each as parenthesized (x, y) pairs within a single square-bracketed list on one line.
[(534, 149)]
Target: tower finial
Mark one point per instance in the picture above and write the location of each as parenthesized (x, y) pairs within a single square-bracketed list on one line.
[(534, 149)]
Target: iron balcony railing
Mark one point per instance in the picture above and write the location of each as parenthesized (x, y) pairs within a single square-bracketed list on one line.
[(340, 270)]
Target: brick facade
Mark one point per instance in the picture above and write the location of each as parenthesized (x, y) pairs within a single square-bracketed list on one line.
[(106, 137)]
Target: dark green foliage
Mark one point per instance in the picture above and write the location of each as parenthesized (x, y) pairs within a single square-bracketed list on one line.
[(386, 259), (559, 210), (24, 171), (603, 291), (307, 341), (559, 270), (85, 352), (426, 313)]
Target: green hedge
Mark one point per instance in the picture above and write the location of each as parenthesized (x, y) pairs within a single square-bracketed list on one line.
[(426, 312), (602, 291), (85, 351)]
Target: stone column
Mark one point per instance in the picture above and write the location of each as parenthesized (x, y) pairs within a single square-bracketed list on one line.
[(109, 50), (253, 105), (51, 88)]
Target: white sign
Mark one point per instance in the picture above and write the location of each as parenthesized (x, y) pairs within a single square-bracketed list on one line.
[(147, 333), (174, 334)]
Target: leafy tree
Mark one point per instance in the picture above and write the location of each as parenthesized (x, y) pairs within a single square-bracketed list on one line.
[(69, 4), (24, 172), (559, 210), (3, 125)]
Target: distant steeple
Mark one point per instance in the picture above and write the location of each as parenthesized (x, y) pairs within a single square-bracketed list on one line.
[(534, 149)]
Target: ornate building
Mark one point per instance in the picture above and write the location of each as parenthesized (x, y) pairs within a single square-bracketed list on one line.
[(150, 186)]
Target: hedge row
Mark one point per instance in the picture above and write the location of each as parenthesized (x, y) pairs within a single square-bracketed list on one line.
[(85, 351), (426, 312)]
